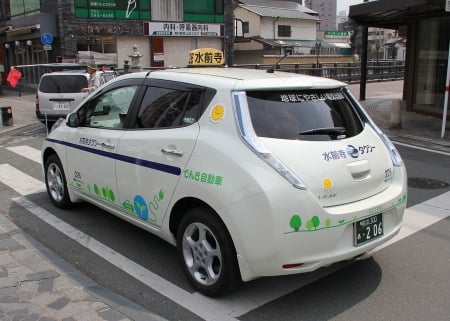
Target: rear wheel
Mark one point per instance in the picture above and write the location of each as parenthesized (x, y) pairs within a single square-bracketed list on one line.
[(207, 253), (56, 183)]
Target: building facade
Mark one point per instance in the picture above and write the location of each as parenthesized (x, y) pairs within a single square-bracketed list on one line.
[(111, 33), (425, 25), (327, 10)]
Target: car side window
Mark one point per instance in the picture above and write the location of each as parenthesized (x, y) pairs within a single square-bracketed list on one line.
[(110, 109), (167, 108)]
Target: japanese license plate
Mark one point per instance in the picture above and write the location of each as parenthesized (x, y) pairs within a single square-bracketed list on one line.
[(61, 106), (368, 229)]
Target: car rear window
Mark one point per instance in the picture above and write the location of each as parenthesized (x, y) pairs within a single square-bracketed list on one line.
[(63, 83), (303, 114)]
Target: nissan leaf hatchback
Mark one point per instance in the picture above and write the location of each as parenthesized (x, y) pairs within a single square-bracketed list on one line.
[(248, 173)]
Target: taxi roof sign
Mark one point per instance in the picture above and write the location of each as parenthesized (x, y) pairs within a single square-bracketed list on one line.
[(206, 57)]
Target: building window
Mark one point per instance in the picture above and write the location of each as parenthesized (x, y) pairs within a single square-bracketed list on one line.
[(18, 8), (245, 27), (284, 31), (203, 10)]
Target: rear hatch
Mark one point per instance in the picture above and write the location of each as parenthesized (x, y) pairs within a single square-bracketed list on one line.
[(59, 94), (319, 136)]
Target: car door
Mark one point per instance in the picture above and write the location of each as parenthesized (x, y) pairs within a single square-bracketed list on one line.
[(156, 152), (91, 158)]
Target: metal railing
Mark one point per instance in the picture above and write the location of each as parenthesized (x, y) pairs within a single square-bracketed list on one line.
[(347, 72)]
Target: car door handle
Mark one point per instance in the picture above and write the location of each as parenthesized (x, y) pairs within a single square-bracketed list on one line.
[(172, 151), (107, 145)]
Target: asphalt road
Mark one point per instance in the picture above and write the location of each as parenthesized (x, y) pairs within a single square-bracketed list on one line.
[(407, 280)]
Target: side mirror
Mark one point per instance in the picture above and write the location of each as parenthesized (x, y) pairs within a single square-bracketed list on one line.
[(73, 120)]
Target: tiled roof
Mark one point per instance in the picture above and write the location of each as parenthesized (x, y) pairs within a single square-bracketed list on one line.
[(290, 5), (278, 12)]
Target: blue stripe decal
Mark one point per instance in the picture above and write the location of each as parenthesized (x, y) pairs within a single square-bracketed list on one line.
[(127, 159)]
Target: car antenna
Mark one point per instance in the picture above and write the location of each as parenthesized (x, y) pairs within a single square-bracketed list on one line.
[(272, 69)]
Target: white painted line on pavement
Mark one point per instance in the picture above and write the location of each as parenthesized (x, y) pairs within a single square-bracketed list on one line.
[(419, 217), (193, 303), (421, 148), (27, 152), (22, 183)]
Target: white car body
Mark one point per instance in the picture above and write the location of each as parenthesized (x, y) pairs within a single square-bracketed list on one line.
[(289, 206)]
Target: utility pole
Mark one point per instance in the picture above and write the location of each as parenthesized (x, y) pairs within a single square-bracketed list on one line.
[(228, 18)]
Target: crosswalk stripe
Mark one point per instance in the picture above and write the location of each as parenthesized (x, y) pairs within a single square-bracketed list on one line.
[(27, 152), (19, 181)]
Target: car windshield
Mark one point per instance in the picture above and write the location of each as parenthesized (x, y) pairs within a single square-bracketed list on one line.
[(303, 114), (63, 83)]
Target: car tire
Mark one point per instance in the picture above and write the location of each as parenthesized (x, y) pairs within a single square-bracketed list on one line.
[(207, 253), (56, 184)]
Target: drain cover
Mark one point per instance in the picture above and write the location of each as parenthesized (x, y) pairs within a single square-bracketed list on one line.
[(426, 183)]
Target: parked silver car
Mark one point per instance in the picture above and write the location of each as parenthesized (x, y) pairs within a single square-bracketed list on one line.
[(59, 93)]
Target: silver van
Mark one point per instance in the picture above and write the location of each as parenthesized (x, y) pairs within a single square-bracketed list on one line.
[(59, 93)]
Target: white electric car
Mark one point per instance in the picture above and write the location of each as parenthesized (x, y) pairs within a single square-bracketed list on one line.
[(249, 173)]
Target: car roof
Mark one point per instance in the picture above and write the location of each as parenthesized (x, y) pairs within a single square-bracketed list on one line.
[(239, 78), (66, 72)]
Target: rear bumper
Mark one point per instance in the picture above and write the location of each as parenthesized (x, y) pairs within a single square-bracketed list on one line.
[(48, 117)]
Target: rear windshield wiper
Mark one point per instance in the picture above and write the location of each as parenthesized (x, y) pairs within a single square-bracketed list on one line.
[(331, 131)]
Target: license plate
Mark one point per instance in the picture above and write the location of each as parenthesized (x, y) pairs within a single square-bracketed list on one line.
[(61, 106), (368, 229)]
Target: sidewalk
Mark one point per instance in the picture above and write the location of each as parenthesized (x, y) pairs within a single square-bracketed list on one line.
[(35, 284)]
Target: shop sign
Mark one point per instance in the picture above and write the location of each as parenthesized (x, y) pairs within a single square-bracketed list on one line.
[(113, 9), (336, 34), (182, 29)]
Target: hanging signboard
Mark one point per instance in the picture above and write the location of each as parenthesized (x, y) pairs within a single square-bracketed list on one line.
[(182, 29)]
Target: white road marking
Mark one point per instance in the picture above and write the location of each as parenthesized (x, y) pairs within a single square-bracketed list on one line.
[(27, 152), (421, 216), (22, 183), (421, 148)]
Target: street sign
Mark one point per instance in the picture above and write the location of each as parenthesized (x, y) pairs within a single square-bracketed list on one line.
[(47, 47), (46, 38), (447, 5)]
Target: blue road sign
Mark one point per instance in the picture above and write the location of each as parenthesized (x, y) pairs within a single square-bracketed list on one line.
[(46, 38)]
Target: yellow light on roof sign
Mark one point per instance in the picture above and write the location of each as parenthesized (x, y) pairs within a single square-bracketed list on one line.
[(206, 57)]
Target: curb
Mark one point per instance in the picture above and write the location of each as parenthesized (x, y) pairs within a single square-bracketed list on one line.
[(15, 129)]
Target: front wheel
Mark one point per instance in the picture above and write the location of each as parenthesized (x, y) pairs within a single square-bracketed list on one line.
[(56, 184), (207, 253)]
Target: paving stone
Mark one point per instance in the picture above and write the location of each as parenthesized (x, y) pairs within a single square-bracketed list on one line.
[(59, 303), (9, 298), (26, 256), (8, 291), (4, 236), (10, 245), (6, 259), (46, 285), (32, 317), (42, 275)]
